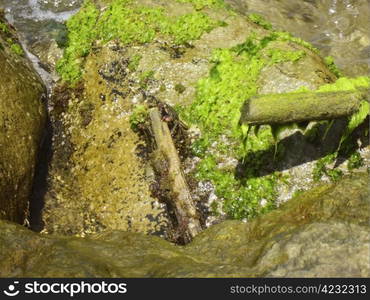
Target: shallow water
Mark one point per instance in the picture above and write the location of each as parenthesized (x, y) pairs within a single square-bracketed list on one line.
[(39, 20), (35, 18), (339, 28)]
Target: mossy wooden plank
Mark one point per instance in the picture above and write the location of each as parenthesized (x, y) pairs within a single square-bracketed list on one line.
[(299, 107)]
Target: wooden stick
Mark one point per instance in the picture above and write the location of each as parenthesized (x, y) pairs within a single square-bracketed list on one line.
[(181, 199), (299, 107)]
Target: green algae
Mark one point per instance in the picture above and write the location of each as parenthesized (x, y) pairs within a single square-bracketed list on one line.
[(81, 34), (180, 88), (134, 62), (10, 40), (346, 84), (341, 85), (4, 27), (190, 27), (130, 24), (232, 79), (139, 116), (258, 19), (17, 49), (355, 161), (278, 55), (216, 111), (355, 120), (200, 4), (329, 60), (321, 168), (286, 36), (145, 77)]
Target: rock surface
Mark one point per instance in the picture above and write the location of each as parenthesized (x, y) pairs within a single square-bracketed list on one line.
[(94, 124), (101, 188), (306, 237), (22, 120)]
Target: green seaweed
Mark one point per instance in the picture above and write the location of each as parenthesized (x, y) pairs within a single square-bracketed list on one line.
[(4, 27), (10, 40), (81, 34), (145, 77), (260, 20), (354, 121), (321, 168), (346, 84), (286, 36), (200, 4), (190, 27), (17, 49), (278, 55), (139, 116), (355, 161), (134, 62), (216, 111), (130, 24), (329, 60)]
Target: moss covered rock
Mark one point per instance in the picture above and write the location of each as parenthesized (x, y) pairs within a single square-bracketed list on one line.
[(22, 119), (305, 237), (198, 55)]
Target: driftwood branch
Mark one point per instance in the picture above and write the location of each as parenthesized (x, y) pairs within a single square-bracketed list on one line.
[(299, 107), (181, 199)]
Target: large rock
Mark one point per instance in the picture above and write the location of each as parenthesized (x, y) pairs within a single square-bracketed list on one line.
[(97, 181), (306, 237), (22, 119)]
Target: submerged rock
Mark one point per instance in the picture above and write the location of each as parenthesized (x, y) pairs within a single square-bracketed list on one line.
[(22, 120), (305, 237)]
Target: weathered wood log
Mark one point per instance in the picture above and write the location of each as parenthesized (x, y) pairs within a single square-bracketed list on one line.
[(182, 202), (299, 107)]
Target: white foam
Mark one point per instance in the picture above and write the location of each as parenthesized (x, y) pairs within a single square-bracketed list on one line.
[(36, 12)]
